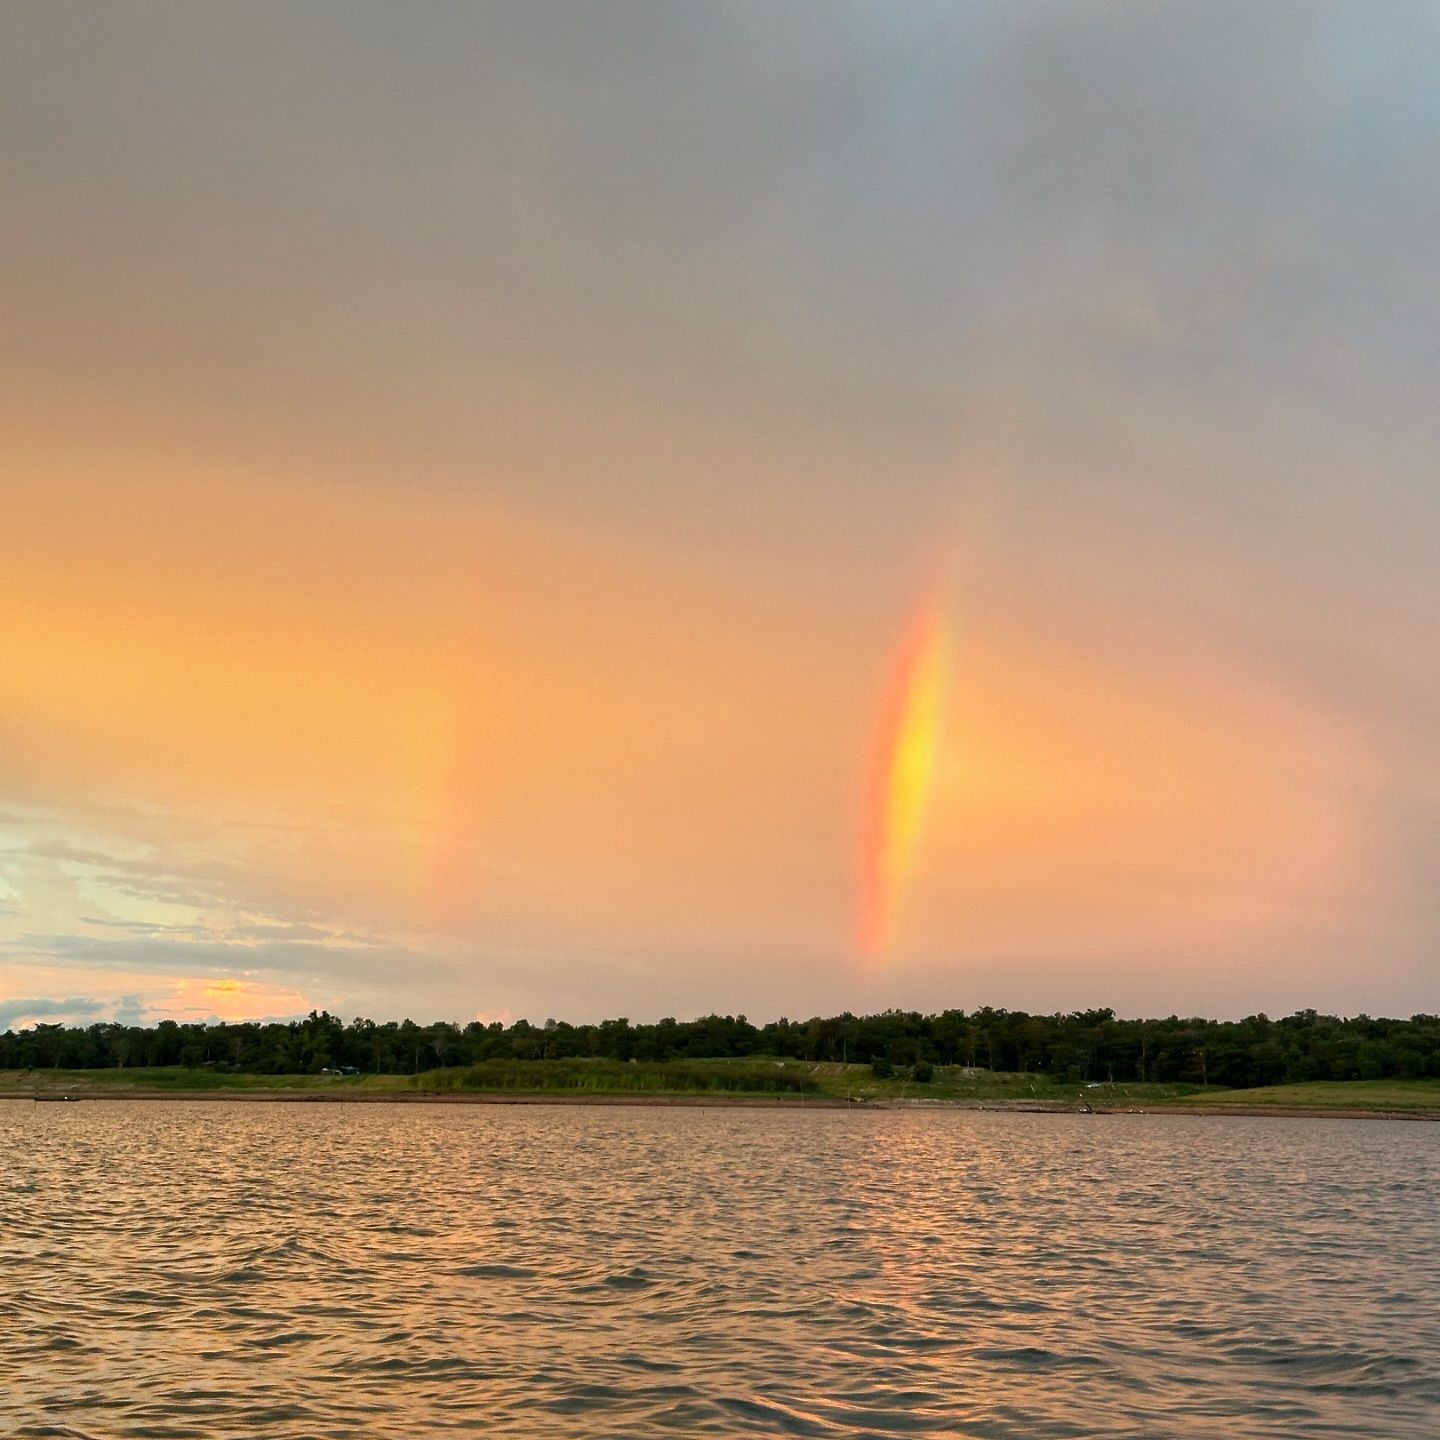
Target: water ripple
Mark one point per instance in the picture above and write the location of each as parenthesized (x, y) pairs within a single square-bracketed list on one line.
[(370, 1273)]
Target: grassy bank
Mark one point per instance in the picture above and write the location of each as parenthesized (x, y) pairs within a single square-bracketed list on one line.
[(776, 1080), (754, 1076), (179, 1079), (955, 1084), (615, 1077), (746, 1076), (1331, 1095)]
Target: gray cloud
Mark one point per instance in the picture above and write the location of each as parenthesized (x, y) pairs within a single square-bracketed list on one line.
[(165, 955), (178, 869), (142, 927), (68, 1011), (237, 933)]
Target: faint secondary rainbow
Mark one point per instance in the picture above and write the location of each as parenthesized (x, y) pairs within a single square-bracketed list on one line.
[(901, 774)]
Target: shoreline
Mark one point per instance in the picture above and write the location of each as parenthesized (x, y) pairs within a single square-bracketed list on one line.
[(717, 1101)]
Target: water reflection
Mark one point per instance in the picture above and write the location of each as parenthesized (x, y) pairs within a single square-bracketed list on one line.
[(185, 1269)]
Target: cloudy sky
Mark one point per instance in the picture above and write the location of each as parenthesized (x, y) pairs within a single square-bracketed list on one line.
[(468, 474)]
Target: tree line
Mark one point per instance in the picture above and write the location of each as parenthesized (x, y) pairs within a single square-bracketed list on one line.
[(1083, 1045)]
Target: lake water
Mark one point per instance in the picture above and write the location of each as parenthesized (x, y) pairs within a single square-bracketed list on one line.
[(184, 1269)]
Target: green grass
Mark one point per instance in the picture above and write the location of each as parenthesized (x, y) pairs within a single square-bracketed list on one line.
[(757, 1075), (1334, 1095), (749, 1075), (178, 1077), (614, 1077), (956, 1083)]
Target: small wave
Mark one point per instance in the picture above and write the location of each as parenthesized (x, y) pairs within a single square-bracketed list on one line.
[(636, 1278), (751, 1274)]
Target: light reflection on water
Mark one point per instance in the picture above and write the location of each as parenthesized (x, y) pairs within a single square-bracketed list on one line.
[(187, 1269)]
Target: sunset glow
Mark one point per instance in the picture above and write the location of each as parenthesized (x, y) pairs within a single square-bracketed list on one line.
[(656, 520)]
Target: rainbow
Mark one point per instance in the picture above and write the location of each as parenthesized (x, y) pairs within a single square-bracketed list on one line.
[(901, 773)]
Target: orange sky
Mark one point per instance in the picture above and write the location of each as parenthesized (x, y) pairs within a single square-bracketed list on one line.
[(458, 539)]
